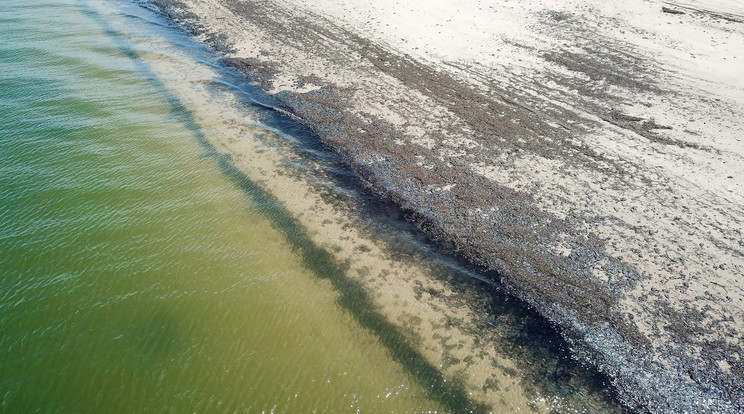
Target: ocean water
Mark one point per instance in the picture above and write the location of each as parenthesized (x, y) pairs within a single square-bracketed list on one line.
[(146, 268)]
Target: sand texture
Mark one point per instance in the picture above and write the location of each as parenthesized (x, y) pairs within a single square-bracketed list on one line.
[(590, 152)]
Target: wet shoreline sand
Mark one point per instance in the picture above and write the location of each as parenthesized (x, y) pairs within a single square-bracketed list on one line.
[(595, 188)]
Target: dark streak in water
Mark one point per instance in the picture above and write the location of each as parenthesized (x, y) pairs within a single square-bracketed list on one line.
[(450, 394)]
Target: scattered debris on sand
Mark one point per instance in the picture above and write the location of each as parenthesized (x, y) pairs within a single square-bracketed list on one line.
[(591, 153)]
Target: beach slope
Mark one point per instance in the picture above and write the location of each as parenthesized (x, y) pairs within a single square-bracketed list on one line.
[(592, 153)]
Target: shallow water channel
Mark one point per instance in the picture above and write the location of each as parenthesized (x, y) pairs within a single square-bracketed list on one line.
[(171, 242)]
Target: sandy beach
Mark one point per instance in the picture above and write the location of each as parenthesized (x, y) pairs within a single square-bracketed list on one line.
[(592, 154)]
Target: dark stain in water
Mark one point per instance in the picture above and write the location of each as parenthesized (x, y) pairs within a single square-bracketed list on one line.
[(449, 394)]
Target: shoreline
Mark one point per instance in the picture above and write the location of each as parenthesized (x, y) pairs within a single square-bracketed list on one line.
[(534, 199)]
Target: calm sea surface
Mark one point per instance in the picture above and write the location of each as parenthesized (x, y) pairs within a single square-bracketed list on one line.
[(140, 273)]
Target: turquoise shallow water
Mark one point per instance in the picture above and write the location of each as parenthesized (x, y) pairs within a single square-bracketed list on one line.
[(140, 272)]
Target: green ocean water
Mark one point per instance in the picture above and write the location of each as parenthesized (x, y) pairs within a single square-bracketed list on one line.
[(137, 276), (140, 271)]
